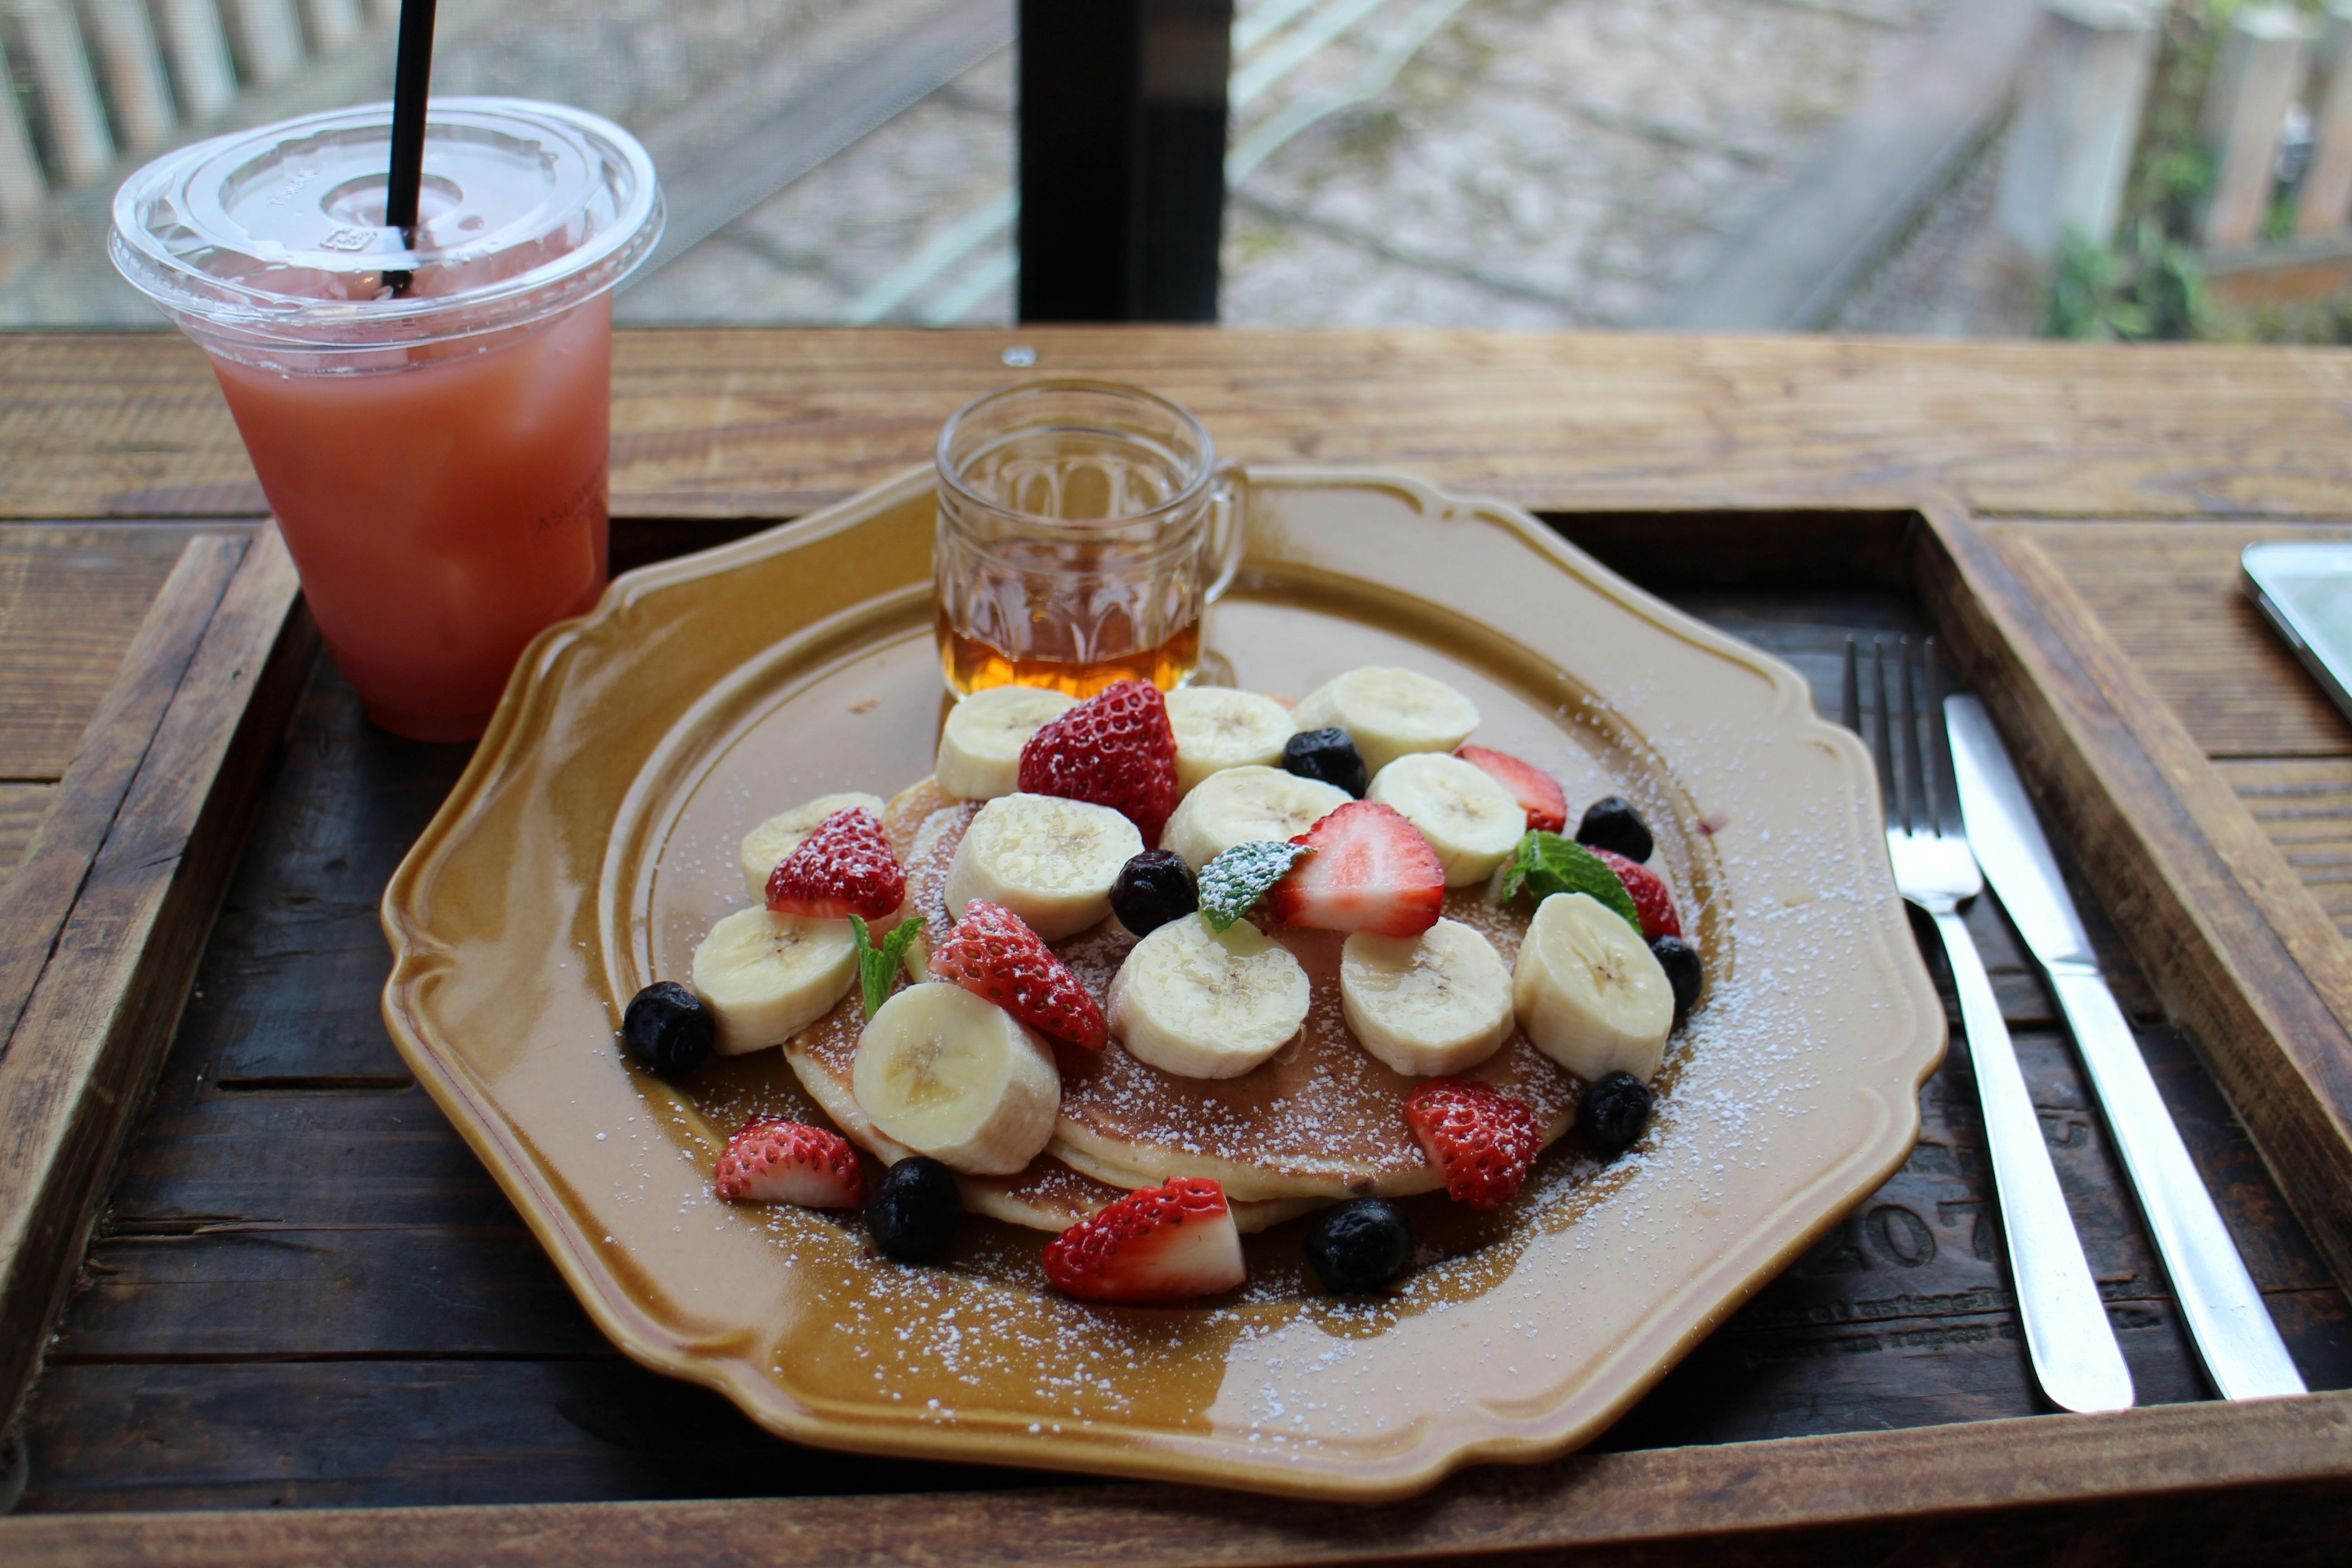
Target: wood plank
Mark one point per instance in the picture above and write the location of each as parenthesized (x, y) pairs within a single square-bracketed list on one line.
[(71, 599), (2169, 594), (56, 858), (2199, 1483), (424, 1433), (82, 1049), (2304, 804), (292, 984), (2239, 952), (775, 422), (298, 1226), (21, 805), (218, 1433)]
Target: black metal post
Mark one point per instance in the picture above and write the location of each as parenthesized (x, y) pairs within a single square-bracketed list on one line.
[(1122, 124)]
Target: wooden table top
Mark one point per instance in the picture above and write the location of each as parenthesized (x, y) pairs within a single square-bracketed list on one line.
[(2256, 443), (2140, 473), (774, 422)]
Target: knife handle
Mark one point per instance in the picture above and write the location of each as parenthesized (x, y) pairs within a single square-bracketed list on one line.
[(2067, 1334), (2227, 1319)]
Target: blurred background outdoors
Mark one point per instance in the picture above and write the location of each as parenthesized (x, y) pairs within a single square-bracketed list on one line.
[(1981, 168)]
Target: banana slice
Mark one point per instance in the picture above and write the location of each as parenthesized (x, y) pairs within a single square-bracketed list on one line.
[(1468, 818), (1217, 728), (1049, 860), (1388, 712), (765, 976), (1243, 803), (979, 745), (1199, 1004), (1426, 1004), (771, 843), (956, 1076), (1588, 991)]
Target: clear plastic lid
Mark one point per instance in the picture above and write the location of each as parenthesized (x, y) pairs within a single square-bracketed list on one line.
[(274, 238)]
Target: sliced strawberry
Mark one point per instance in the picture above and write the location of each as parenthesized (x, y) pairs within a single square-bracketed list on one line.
[(772, 1160), (1651, 899), (1161, 1243), (1114, 748), (843, 869), (1371, 870), (1537, 793), (1481, 1141), (992, 953)]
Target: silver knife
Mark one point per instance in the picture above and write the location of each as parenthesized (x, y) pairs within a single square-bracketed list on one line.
[(2227, 1320)]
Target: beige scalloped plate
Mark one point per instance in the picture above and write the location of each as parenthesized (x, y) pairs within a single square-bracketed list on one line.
[(592, 840)]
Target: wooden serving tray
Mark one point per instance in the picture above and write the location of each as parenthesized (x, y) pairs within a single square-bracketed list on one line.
[(2237, 952)]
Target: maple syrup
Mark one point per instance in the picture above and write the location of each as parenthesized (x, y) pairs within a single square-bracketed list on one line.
[(1083, 527), (970, 665)]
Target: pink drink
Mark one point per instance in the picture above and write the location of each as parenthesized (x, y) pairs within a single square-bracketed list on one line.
[(432, 558), (429, 414)]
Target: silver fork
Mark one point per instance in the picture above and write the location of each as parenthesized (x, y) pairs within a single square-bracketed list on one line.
[(2067, 1335)]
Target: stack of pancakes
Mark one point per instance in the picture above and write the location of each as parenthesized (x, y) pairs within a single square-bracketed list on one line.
[(1321, 1120)]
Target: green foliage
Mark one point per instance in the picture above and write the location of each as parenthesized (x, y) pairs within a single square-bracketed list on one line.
[(2151, 283), (2155, 288), (1232, 884), (2299, 322), (1547, 863), (878, 966)]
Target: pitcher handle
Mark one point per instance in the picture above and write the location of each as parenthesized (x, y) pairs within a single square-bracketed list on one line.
[(1228, 536)]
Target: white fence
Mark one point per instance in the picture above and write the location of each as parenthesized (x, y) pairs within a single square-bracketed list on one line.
[(2283, 76), (88, 84)]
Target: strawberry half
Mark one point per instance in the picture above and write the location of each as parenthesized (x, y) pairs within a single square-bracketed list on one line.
[(1481, 1141), (843, 869), (1371, 870), (772, 1160), (994, 955), (1161, 1243), (1651, 899), (1537, 793), (1114, 748)]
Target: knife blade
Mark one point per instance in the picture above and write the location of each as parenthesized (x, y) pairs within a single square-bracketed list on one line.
[(2227, 1323)]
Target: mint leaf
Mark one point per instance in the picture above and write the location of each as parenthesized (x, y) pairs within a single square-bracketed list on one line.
[(1547, 864), (877, 966), (1232, 883)]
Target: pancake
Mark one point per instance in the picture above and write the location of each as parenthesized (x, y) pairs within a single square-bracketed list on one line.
[(1045, 1194), (924, 825), (1321, 1117), (1323, 1120)]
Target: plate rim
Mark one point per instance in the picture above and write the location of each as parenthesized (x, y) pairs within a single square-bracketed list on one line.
[(473, 1111)]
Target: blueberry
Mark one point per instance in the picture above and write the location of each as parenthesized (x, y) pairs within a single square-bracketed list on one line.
[(1679, 959), (1153, 889), (1329, 755), (913, 1213), (1612, 823), (1615, 1109), (1360, 1246), (667, 1028)]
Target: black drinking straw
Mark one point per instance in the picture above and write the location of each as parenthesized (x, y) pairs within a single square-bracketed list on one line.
[(411, 72)]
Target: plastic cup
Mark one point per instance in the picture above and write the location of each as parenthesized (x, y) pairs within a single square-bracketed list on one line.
[(435, 457)]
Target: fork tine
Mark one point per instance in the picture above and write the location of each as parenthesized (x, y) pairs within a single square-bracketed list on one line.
[(1918, 794), (1890, 785), (1850, 704)]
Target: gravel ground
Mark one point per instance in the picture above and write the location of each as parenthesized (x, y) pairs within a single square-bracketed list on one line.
[(1550, 166), (1951, 276)]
